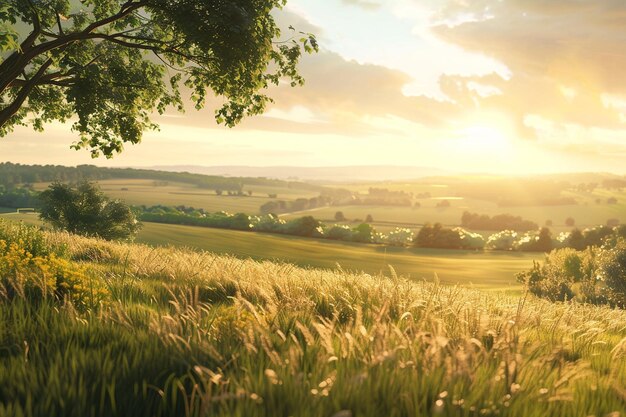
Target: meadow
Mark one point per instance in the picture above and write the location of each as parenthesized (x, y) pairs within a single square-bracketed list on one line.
[(181, 333), (485, 270)]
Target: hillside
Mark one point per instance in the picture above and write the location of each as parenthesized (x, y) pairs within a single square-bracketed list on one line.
[(96, 328), (328, 174)]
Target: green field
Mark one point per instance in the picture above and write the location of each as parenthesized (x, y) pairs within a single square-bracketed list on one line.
[(96, 328), (488, 270)]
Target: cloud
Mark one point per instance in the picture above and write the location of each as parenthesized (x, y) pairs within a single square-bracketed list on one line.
[(339, 96), (565, 57), (365, 4)]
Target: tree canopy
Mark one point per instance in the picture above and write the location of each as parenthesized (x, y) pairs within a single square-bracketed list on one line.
[(85, 210), (113, 63)]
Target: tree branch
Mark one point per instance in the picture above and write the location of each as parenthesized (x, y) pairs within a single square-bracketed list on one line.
[(14, 107), (19, 60)]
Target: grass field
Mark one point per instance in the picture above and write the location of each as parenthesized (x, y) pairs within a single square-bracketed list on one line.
[(486, 270), (182, 333)]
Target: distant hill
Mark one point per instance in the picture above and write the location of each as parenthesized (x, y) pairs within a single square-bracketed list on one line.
[(333, 174), (17, 174)]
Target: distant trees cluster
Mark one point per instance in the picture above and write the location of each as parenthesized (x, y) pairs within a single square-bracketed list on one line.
[(19, 198), (429, 236), (300, 204), (477, 221)]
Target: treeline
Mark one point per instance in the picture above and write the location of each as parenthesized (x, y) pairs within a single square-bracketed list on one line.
[(19, 198), (13, 175), (341, 197), (300, 204), (305, 226), (429, 236), (477, 221)]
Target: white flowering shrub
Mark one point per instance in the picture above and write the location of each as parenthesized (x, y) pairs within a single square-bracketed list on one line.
[(503, 240), (470, 240), (399, 237)]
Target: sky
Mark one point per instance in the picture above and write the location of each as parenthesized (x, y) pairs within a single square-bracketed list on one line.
[(501, 86)]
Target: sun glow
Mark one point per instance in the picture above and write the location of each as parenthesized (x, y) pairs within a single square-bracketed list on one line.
[(484, 139)]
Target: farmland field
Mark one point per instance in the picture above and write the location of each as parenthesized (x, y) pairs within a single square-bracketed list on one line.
[(587, 213), (149, 193)]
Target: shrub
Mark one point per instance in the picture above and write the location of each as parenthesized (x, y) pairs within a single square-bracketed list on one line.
[(46, 277), (504, 240), (436, 236), (595, 236), (566, 274), (363, 233), (469, 240), (304, 226), (339, 232), (612, 270), (596, 275), (30, 238), (399, 237), (535, 241)]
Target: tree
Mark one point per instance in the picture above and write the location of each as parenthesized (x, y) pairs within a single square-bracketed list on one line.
[(85, 210), (369, 219), (544, 240), (340, 217), (114, 62), (570, 222)]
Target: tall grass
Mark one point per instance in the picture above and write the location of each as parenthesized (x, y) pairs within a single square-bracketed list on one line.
[(194, 334)]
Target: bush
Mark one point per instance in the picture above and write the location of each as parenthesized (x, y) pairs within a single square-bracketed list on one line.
[(436, 236), (612, 270), (339, 216), (535, 241), (504, 240), (565, 275), (37, 278), (595, 236), (28, 238), (339, 232), (364, 233), (596, 275), (306, 226), (469, 240), (399, 237)]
